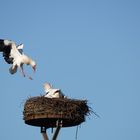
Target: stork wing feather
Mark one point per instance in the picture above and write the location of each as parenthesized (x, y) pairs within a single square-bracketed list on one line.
[(20, 48), (2, 45), (5, 47), (14, 53)]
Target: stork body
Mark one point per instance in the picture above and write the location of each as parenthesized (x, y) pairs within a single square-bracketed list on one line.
[(14, 55), (51, 92)]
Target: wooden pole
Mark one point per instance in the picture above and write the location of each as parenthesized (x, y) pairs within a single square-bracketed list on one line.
[(45, 137), (44, 133), (56, 133), (58, 127)]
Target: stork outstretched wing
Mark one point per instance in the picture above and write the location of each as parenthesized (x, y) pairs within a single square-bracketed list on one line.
[(13, 54)]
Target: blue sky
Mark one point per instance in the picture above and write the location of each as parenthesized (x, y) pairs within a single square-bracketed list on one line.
[(88, 48)]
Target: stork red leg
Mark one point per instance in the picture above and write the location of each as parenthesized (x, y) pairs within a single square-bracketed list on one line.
[(22, 71)]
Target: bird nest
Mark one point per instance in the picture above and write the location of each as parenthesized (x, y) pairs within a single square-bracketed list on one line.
[(44, 112)]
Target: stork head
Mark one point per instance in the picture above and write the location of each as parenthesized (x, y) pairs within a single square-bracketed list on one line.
[(33, 65), (47, 86)]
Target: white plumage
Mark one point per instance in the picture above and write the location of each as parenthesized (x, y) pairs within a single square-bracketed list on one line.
[(51, 92), (18, 57)]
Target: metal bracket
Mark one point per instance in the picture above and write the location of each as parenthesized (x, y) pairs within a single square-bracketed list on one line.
[(43, 129)]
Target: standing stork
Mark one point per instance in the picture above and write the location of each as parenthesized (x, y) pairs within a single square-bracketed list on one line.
[(51, 92)]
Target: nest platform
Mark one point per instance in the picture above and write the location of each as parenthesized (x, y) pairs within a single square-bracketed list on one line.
[(45, 112)]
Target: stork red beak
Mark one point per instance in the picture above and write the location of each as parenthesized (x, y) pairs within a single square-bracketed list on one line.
[(34, 68)]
